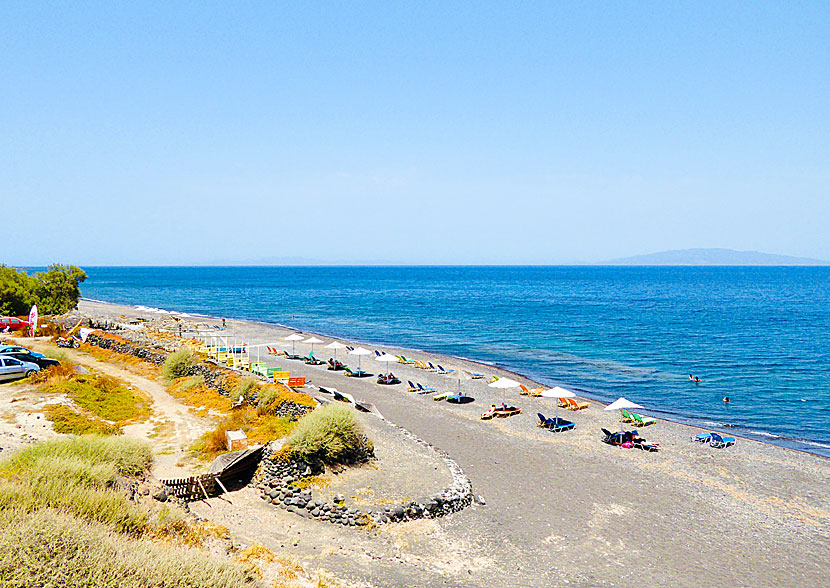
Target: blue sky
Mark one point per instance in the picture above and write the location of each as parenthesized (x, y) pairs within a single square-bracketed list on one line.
[(179, 133)]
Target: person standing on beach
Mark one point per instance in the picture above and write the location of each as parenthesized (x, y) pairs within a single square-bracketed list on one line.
[(223, 324)]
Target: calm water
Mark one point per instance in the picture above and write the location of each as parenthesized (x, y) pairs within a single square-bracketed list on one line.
[(757, 335)]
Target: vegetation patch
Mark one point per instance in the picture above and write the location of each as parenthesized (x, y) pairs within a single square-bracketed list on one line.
[(258, 428), (272, 396), (66, 420), (193, 392), (102, 396), (330, 433), (319, 482), (48, 548), (178, 364)]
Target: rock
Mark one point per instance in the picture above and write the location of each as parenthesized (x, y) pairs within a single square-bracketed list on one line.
[(315, 512), (479, 499)]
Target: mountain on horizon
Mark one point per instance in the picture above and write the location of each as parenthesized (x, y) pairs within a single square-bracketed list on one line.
[(715, 257)]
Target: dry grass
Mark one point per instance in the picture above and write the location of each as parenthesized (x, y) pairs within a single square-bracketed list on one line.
[(193, 392), (50, 548), (258, 428), (67, 420)]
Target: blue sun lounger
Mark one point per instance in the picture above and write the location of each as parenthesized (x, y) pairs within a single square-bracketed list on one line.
[(555, 424), (719, 442), (424, 389)]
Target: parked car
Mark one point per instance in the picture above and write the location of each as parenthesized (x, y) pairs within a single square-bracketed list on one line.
[(10, 323), (12, 369), (28, 357), (18, 349)]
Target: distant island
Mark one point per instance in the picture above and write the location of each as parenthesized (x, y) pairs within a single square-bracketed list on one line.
[(714, 257)]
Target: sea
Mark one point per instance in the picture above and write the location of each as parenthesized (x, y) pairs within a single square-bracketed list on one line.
[(757, 335)]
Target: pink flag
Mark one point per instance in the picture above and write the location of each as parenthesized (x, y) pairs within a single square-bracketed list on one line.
[(33, 319)]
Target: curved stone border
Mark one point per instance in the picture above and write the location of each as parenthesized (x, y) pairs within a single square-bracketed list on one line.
[(276, 481)]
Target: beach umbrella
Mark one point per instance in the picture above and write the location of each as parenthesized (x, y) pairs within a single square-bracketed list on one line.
[(387, 359), (293, 338), (504, 384), (619, 404), (359, 352), (335, 345), (312, 340), (557, 392)]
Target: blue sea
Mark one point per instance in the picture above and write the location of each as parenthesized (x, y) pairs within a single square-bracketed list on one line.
[(759, 335)]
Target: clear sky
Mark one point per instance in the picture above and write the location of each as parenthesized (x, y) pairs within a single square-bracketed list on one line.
[(417, 132)]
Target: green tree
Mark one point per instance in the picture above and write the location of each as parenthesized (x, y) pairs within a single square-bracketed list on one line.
[(55, 291), (58, 288), (16, 291)]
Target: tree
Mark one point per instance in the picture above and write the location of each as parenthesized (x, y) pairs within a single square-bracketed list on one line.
[(55, 291), (58, 288), (16, 291)]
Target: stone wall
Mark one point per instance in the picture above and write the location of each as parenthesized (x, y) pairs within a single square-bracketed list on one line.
[(276, 480)]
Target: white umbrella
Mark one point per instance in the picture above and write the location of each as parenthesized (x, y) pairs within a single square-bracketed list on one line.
[(386, 358), (293, 338), (504, 384), (557, 392), (619, 404), (312, 340), (358, 352), (335, 345)]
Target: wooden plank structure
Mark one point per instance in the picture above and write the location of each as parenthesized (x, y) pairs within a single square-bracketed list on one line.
[(194, 487), (224, 470)]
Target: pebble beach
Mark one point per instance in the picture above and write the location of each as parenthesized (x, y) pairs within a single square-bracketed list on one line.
[(567, 509)]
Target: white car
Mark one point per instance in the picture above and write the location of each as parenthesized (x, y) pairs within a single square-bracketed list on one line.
[(12, 369)]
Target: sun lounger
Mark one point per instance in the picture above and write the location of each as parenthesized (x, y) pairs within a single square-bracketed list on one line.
[(442, 371), (335, 366), (413, 387), (702, 438), (356, 373), (574, 405), (641, 420), (421, 365), (476, 376), (527, 392), (626, 416), (388, 381), (555, 424), (404, 360), (440, 396), (507, 411), (425, 389), (718, 442)]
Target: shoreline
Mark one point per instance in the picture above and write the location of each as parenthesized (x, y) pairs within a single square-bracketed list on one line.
[(800, 445)]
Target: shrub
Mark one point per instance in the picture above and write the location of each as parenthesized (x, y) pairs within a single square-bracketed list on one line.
[(329, 433), (178, 364), (247, 388)]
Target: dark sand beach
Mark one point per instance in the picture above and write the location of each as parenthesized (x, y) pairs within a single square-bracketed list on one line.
[(560, 509)]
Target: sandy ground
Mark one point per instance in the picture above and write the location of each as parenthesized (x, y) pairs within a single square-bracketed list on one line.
[(561, 509)]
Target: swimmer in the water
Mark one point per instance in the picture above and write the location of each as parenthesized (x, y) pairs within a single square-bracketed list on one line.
[(691, 377), (697, 380), (726, 399)]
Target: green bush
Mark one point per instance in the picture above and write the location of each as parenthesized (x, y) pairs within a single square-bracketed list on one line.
[(329, 433), (47, 548), (247, 388), (178, 364), (55, 291)]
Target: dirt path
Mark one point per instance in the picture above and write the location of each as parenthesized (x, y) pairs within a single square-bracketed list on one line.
[(171, 429)]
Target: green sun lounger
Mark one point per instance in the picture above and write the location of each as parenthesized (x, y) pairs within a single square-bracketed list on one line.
[(642, 421)]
